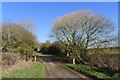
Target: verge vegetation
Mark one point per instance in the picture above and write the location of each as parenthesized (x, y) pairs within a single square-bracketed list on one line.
[(36, 70), (92, 71)]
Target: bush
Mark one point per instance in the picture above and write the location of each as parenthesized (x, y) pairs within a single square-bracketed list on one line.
[(9, 58), (56, 49), (53, 49), (62, 59), (111, 63), (16, 38)]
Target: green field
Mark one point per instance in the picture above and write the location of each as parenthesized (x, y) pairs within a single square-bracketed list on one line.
[(37, 70)]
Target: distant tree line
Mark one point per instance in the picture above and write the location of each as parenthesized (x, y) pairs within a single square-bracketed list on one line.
[(51, 48)]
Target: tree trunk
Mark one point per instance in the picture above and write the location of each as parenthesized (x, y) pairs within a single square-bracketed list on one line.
[(80, 60), (73, 60)]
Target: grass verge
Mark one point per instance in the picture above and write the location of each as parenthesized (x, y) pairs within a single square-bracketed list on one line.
[(39, 59), (37, 70), (91, 71)]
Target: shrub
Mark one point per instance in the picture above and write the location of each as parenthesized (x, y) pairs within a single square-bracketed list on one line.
[(56, 49), (9, 58), (61, 59), (111, 63), (16, 38)]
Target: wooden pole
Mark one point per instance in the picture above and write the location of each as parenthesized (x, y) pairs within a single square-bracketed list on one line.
[(35, 58)]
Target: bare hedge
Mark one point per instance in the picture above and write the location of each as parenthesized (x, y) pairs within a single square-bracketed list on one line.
[(111, 63), (9, 58)]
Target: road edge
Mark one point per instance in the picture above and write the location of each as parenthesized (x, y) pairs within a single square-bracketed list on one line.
[(73, 71)]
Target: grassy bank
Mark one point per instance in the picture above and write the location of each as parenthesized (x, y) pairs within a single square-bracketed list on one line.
[(35, 71), (91, 71)]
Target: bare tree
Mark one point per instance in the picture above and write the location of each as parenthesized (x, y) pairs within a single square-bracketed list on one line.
[(27, 24), (7, 34), (81, 30)]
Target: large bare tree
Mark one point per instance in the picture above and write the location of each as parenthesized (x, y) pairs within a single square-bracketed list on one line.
[(81, 30)]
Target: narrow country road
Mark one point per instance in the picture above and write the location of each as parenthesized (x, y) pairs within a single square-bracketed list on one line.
[(57, 70)]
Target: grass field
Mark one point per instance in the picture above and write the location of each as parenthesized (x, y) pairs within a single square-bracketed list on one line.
[(35, 71)]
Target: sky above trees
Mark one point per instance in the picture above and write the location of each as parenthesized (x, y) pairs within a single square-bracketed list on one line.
[(43, 14)]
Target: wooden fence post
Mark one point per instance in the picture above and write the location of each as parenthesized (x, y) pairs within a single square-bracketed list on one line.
[(35, 58)]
